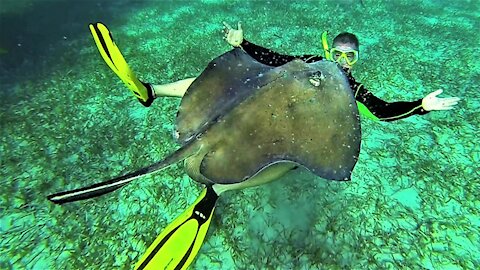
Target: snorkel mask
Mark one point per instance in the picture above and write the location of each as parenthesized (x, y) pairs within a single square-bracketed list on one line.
[(337, 55)]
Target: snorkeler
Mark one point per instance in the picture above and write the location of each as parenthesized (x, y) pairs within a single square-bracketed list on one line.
[(179, 243), (344, 51)]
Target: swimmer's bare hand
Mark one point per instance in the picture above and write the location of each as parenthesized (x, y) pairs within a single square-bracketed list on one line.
[(433, 103), (234, 37)]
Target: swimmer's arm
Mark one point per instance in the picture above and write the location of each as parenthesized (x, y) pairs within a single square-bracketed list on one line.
[(263, 55)]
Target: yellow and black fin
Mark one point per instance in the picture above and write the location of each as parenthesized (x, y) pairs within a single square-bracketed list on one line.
[(177, 246), (114, 59)]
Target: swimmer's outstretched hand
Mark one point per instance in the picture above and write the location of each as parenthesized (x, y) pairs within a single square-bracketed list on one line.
[(433, 103), (234, 37)]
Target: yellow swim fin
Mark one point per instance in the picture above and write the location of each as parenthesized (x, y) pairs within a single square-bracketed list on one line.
[(114, 59), (179, 243)]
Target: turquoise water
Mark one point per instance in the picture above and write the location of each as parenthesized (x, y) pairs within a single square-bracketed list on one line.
[(67, 121)]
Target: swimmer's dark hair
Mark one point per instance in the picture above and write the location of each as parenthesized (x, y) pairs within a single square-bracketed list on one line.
[(346, 37)]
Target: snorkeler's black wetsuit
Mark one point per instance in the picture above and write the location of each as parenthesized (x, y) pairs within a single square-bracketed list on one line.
[(384, 111)]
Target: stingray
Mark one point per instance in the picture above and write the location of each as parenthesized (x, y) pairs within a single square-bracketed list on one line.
[(241, 124)]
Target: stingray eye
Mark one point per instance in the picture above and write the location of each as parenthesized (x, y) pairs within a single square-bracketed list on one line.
[(316, 78)]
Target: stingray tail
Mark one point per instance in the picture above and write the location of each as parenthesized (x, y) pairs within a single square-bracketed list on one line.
[(105, 187)]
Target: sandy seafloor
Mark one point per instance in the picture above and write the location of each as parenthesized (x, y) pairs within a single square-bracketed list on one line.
[(67, 121)]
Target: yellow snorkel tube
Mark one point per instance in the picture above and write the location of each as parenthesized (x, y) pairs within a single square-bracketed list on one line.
[(325, 46)]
